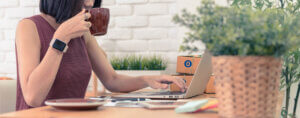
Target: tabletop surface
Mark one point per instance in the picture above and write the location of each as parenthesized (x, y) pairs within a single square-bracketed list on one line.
[(110, 112)]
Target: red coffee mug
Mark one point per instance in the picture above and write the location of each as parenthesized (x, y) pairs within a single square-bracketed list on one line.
[(100, 20)]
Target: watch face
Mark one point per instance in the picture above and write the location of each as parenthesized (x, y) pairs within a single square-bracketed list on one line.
[(59, 45)]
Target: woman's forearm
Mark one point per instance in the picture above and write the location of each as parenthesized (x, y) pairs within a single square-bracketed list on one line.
[(41, 79), (124, 83)]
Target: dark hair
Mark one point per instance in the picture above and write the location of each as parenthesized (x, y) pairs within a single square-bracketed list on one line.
[(97, 3), (62, 10)]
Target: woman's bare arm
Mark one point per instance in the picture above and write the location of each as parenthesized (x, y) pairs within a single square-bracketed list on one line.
[(36, 77), (117, 82), (106, 73)]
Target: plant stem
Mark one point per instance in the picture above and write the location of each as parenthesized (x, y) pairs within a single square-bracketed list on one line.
[(281, 3), (287, 95), (296, 100), (287, 101)]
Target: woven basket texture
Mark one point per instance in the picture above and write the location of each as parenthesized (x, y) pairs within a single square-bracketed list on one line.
[(247, 87)]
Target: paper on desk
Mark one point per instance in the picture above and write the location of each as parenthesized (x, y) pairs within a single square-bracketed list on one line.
[(110, 104), (129, 104)]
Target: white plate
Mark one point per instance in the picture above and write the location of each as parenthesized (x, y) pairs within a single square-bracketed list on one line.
[(75, 104)]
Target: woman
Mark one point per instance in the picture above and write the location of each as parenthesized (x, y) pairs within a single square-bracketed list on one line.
[(46, 72)]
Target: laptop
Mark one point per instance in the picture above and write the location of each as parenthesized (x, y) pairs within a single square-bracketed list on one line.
[(197, 85)]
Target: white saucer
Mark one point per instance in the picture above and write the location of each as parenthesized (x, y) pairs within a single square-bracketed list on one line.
[(75, 104)]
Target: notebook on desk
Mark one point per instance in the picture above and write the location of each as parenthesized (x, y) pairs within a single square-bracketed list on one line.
[(197, 86)]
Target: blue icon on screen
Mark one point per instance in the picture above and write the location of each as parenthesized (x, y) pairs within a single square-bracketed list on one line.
[(188, 63)]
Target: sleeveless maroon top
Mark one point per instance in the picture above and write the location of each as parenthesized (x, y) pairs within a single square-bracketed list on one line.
[(74, 71)]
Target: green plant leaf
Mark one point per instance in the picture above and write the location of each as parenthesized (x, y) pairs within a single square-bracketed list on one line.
[(133, 62), (241, 29)]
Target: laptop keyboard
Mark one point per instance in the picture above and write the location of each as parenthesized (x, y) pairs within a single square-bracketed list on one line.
[(169, 93)]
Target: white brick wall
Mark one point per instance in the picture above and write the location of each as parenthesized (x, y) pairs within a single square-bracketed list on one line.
[(9, 34), (136, 27), (151, 9), (120, 10), (2, 57), (1, 13), (6, 46), (161, 1), (150, 33), (108, 2), (132, 45), (10, 24), (131, 21), (29, 3), (10, 3), (163, 45), (161, 21), (131, 1), (1, 35), (15, 12), (120, 33)]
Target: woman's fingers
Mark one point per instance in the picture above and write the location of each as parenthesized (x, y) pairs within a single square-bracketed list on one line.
[(88, 24), (163, 82), (82, 26), (179, 82), (81, 16), (81, 12), (76, 26), (158, 85), (87, 15), (162, 86), (182, 81)]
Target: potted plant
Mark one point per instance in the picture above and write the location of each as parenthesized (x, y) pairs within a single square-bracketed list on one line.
[(290, 69), (247, 44), (139, 65)]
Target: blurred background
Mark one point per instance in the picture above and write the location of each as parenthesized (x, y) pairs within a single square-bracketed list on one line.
[(141, 27)]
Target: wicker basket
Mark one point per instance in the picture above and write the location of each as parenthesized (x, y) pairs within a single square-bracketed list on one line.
[(247, 87)]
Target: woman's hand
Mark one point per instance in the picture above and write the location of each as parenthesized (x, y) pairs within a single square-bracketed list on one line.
[(74, 27), (162, 82)]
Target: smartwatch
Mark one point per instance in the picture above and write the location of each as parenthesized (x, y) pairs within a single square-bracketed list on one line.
[(59, 45)]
